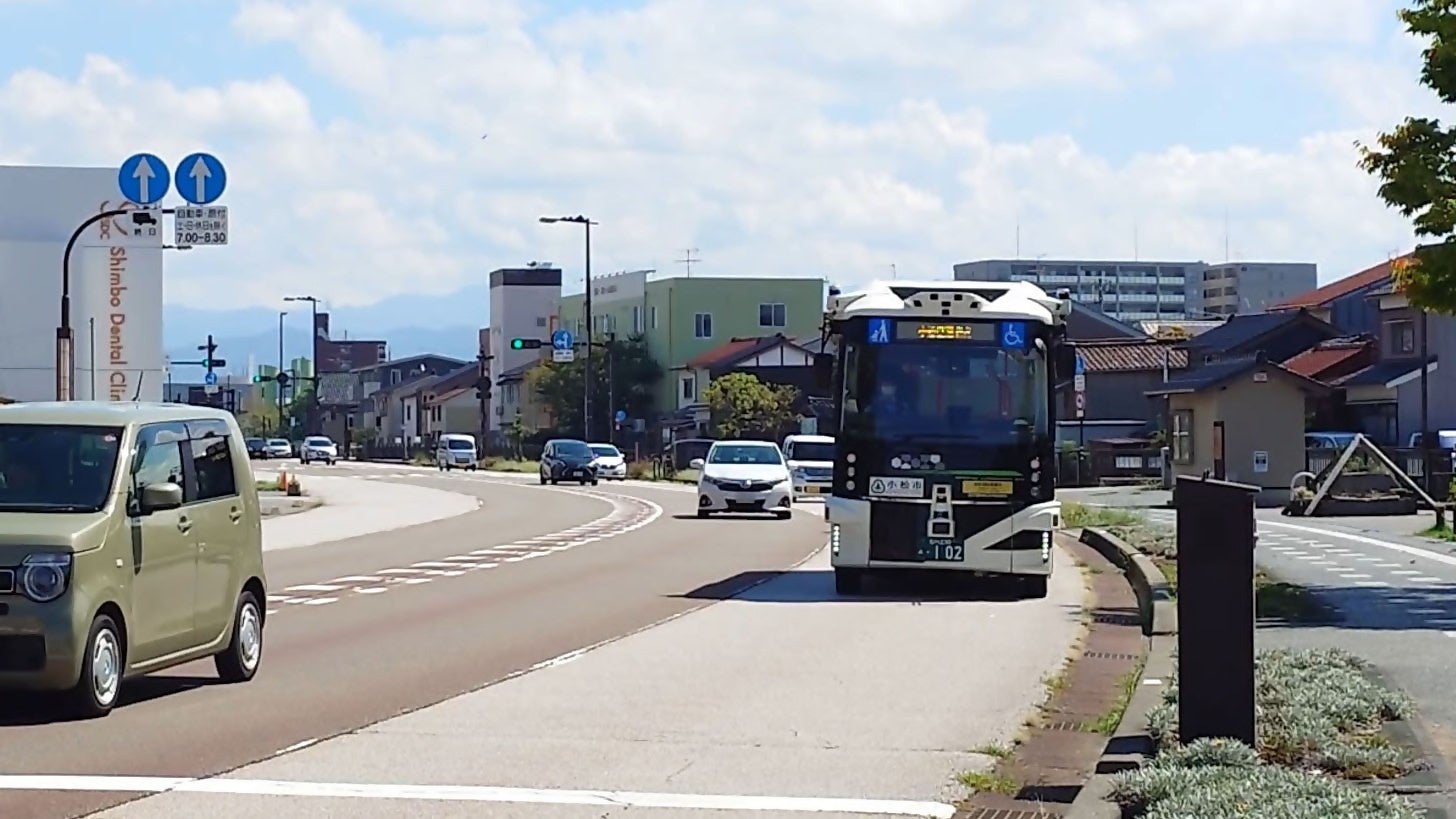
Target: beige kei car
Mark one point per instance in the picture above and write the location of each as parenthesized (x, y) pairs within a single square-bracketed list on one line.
[(130, 541)]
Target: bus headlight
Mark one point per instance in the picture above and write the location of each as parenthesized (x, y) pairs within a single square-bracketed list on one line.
[(834, 538)]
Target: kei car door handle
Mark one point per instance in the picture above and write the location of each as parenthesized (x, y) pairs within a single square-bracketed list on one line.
[(236, 515), (184, 525)]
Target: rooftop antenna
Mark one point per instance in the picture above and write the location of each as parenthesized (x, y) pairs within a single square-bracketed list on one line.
[(141, 376), (687, 260), (1226, 256), (1134, 242), (894, 274), (1018, 240)]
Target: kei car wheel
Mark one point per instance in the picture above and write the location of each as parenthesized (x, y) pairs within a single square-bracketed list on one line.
[(240, 660), (99, 686)]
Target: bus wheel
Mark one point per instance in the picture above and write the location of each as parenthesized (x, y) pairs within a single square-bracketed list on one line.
[(1034, 586), (848, 581)]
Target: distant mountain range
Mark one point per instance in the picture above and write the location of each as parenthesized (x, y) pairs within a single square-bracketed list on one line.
[(447, 325)]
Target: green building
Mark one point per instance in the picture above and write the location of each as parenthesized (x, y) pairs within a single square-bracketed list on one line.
[(683, 317)]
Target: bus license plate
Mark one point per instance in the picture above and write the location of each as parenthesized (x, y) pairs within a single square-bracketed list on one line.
[(943, 550), (993, 488), (811, 490)]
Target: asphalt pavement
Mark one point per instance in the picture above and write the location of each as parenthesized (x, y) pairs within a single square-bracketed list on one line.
[(565, 651)]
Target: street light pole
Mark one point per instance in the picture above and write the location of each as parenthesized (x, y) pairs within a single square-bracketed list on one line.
[(587, 364), (65, 338), (276, 382), (313, 422)]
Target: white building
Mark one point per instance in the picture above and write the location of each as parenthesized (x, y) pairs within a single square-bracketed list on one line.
[(116, 287), (523, 304)]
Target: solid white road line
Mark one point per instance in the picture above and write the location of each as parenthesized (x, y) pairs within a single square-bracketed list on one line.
[(471, 793)]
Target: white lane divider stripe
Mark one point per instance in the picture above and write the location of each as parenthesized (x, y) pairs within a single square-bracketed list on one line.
[(1369, 541), (313, 587), (479, 793), (1426, 579)]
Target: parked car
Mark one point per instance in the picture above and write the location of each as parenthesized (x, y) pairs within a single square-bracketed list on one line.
[(278, 448), (257, 448), (811, 463), (567, 459), (102, 572), (610, 463), (456, 451), (318, 448), (744, 476)]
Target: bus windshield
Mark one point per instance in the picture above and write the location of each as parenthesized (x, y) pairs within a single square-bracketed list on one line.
[(950, 390)]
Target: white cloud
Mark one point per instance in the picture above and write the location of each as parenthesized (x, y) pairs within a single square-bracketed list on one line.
[(717, 125)]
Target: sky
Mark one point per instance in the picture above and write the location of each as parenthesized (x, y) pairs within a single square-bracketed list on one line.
[(384, 147)]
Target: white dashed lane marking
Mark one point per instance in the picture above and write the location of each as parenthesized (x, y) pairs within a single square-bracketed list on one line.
[(627, 515)]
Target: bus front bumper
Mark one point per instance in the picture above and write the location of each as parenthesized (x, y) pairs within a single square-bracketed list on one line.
[(988, 550)]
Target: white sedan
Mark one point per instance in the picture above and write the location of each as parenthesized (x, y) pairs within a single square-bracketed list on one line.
[(610, 463), (744, 476), (319, 448)]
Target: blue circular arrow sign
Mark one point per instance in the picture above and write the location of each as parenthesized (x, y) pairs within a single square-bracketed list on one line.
[(143, 179), (201, 178), (561, 339)]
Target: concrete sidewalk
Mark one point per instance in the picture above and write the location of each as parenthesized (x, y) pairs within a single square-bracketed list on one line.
[(354, 506), (784, 700)]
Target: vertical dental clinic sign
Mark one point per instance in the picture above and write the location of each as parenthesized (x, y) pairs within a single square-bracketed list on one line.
[(123, 273), (116, 286)]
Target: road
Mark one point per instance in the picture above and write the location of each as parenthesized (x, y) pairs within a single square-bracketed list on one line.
[(534, 654), (1395, 594), (535, 573)]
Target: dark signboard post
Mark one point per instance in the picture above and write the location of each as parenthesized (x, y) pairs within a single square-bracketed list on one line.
[(1215, 609)]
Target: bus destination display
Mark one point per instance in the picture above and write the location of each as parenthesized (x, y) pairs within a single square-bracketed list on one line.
[(944, 331)]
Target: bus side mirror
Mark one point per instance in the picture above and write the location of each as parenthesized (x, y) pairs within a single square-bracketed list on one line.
[(1066, 362), (823, 371)]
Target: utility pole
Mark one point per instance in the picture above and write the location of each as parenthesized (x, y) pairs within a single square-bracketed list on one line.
[(280, 380), (611, 389), (482, 393)]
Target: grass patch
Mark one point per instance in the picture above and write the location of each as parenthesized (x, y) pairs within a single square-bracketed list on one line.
[(510, 465), (1112, 717), (1285, 601), (1320, 721), (1080, 515), (988, 782), (993, 749), (1443, 533)]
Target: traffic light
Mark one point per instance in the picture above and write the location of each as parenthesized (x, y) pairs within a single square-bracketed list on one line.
[(482, 388), (525, 343), (209, 349), (282, 379), (262, 379)]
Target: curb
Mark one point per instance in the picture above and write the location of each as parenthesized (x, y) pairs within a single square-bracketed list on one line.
[(1154, 593), (1131, 746)]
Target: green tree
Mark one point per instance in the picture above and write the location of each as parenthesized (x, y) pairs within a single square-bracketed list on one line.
[(634, 377), (743, 406), (1416, 165)]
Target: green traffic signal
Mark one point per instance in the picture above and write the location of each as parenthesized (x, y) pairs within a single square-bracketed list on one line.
[(518, 343)]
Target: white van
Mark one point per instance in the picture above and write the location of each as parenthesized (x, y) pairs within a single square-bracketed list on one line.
[(811, 463), (456, 451)]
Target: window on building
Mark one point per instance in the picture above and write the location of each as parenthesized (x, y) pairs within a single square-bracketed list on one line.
[(636, 319), (652, 316), (540, 321), (689, 387), (1401, 336), (772, 315), (1182, 437), (703, 325)]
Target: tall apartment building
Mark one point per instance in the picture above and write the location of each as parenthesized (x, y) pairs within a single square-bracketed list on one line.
[(1252, 287), (523, 304), (683, 317), (1127, 291), (1156, 290)]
